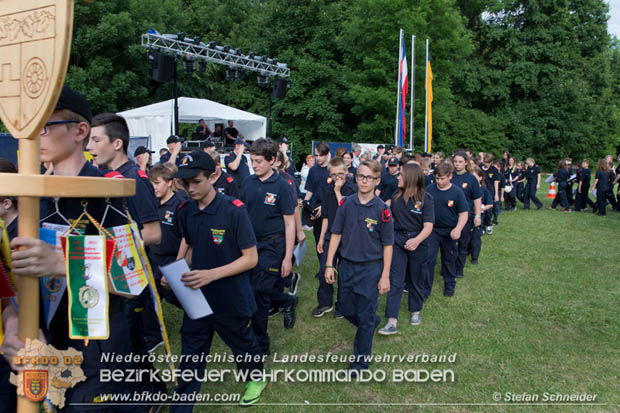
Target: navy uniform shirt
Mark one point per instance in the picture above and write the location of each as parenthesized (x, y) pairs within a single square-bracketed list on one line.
[(166, 251), (242, 170), (217, 235), (428, 180), (448, 205), (267, 202), (410, 217), (330, 202), (317, 181), (71, 208), (11, 229), (531, 174), (388, 186), (487, 199), (143, 206), (226, 185), (365, 229), (290, 181), (166, 157), (490, 176), (562, 177), (470, 186), (584, 178), (604, 180)]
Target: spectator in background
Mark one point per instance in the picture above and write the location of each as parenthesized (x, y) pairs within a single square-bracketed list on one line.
[(232, 133), (340, 152), (174, 155), (236, 163), (304, 173), (143, 158), (348, 163), (357, 149), (203, 129), (283, 147)]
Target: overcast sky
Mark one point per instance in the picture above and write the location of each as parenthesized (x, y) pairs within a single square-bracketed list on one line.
[(613, 24)]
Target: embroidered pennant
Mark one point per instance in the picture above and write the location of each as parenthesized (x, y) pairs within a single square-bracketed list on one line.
[(127, 271)]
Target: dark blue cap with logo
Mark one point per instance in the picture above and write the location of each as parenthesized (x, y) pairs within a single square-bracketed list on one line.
[(193, 163)]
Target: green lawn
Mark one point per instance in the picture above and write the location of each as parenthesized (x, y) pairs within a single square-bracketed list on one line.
[(538, 314)]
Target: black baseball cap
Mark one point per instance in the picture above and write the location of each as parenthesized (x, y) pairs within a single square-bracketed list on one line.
[(380, 147), (207, 144), (75, 102), (283, 140), (393, 161), (172, 139), (140, 150), (193, 163)]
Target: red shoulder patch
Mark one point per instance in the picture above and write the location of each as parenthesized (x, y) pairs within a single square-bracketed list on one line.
[(341, 202), (182, 204), (113, 174), (229, 179), (386, 216), (238, 203), (290, 182), (142, 174)]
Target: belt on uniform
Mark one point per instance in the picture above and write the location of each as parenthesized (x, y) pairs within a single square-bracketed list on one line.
[(363, 262), (268, 237)]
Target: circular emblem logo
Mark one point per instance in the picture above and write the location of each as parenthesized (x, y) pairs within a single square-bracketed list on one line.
[(35, 77), (89, 297), (53, 285)]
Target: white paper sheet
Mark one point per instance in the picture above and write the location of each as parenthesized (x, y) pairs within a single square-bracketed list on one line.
[(299, 252), (193, 301)]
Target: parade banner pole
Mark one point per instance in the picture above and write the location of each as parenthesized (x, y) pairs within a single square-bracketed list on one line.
[(411, 122), (400, 52), (34, 63), (426, 149)]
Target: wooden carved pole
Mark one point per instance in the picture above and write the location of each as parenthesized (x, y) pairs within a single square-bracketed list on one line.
[(35, 41)]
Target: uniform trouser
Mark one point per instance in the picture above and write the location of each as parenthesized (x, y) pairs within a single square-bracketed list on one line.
[(408, 268), (196, 337), (152, 330), (463, 245), (486, 218), (440, 240), (267, 285), (561, 198), (476, 243), (8, 392), (569, 195), (530, 194), (497, 209), (583, 200), (510, 199), (88, 391), (601, 197), (358, 294), (520, 192), (325, 292), (316, 231)]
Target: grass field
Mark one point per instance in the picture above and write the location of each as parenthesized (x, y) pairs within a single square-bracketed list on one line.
[(538, 314)]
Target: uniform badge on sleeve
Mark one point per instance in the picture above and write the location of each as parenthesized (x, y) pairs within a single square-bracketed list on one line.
[(270, 199), (386, 215)]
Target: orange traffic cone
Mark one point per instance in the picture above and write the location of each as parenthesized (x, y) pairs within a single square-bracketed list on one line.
[(551, 193)]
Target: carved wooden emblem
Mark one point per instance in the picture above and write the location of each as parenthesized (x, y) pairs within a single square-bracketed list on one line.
[(35, 39)]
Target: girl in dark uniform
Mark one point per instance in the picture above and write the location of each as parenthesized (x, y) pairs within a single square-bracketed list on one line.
[(602, 184)]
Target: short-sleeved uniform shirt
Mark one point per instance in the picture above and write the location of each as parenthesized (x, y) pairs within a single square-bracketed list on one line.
[(411, 216), (490, 176), (218, 233), (448, 205), (388, 186), (531, 174), (584, 178), (331, 205), (562, 177), (267, 202), (242, 171), (143, 206), (166, 157), (166, 251), (317, 181), (470, 186), (365, 229), (429, 180), (604, 180), (487, 199), (290, 181), (227, 185)]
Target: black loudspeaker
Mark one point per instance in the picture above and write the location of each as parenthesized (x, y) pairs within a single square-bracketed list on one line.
[(163, 68), (280, 86)]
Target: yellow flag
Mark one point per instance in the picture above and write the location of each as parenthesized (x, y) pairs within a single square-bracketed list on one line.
[(429, 105)]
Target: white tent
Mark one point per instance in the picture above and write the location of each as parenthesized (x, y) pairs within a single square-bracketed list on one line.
[(156, 120)]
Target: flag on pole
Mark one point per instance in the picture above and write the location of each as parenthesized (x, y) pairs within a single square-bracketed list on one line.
[(404, 82), (429, 106)]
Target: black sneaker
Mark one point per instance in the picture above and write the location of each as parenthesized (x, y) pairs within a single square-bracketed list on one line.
[(474, 262), (289, 315), (274, 311), (458, 276), (406, 289), (321, 310), (294, 283), (448, 293), (338, 314)]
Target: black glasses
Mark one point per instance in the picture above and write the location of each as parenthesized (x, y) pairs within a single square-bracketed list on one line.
[(338, 175), (365, 178), (45, 129)]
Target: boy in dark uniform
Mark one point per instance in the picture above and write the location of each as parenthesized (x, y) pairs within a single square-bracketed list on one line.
[(485, 207), (583, 199), (62, 143), (364, 230), (451, 212), (491, 178), (561, 177), (219, 244), (315, 186), (271, 207), (335, 194), (236, 163), (532, 176), (225, 183), (389, 181)]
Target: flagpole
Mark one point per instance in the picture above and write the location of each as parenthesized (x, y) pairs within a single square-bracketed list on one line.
[(400, 53), (412, 92), (426, 102)]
